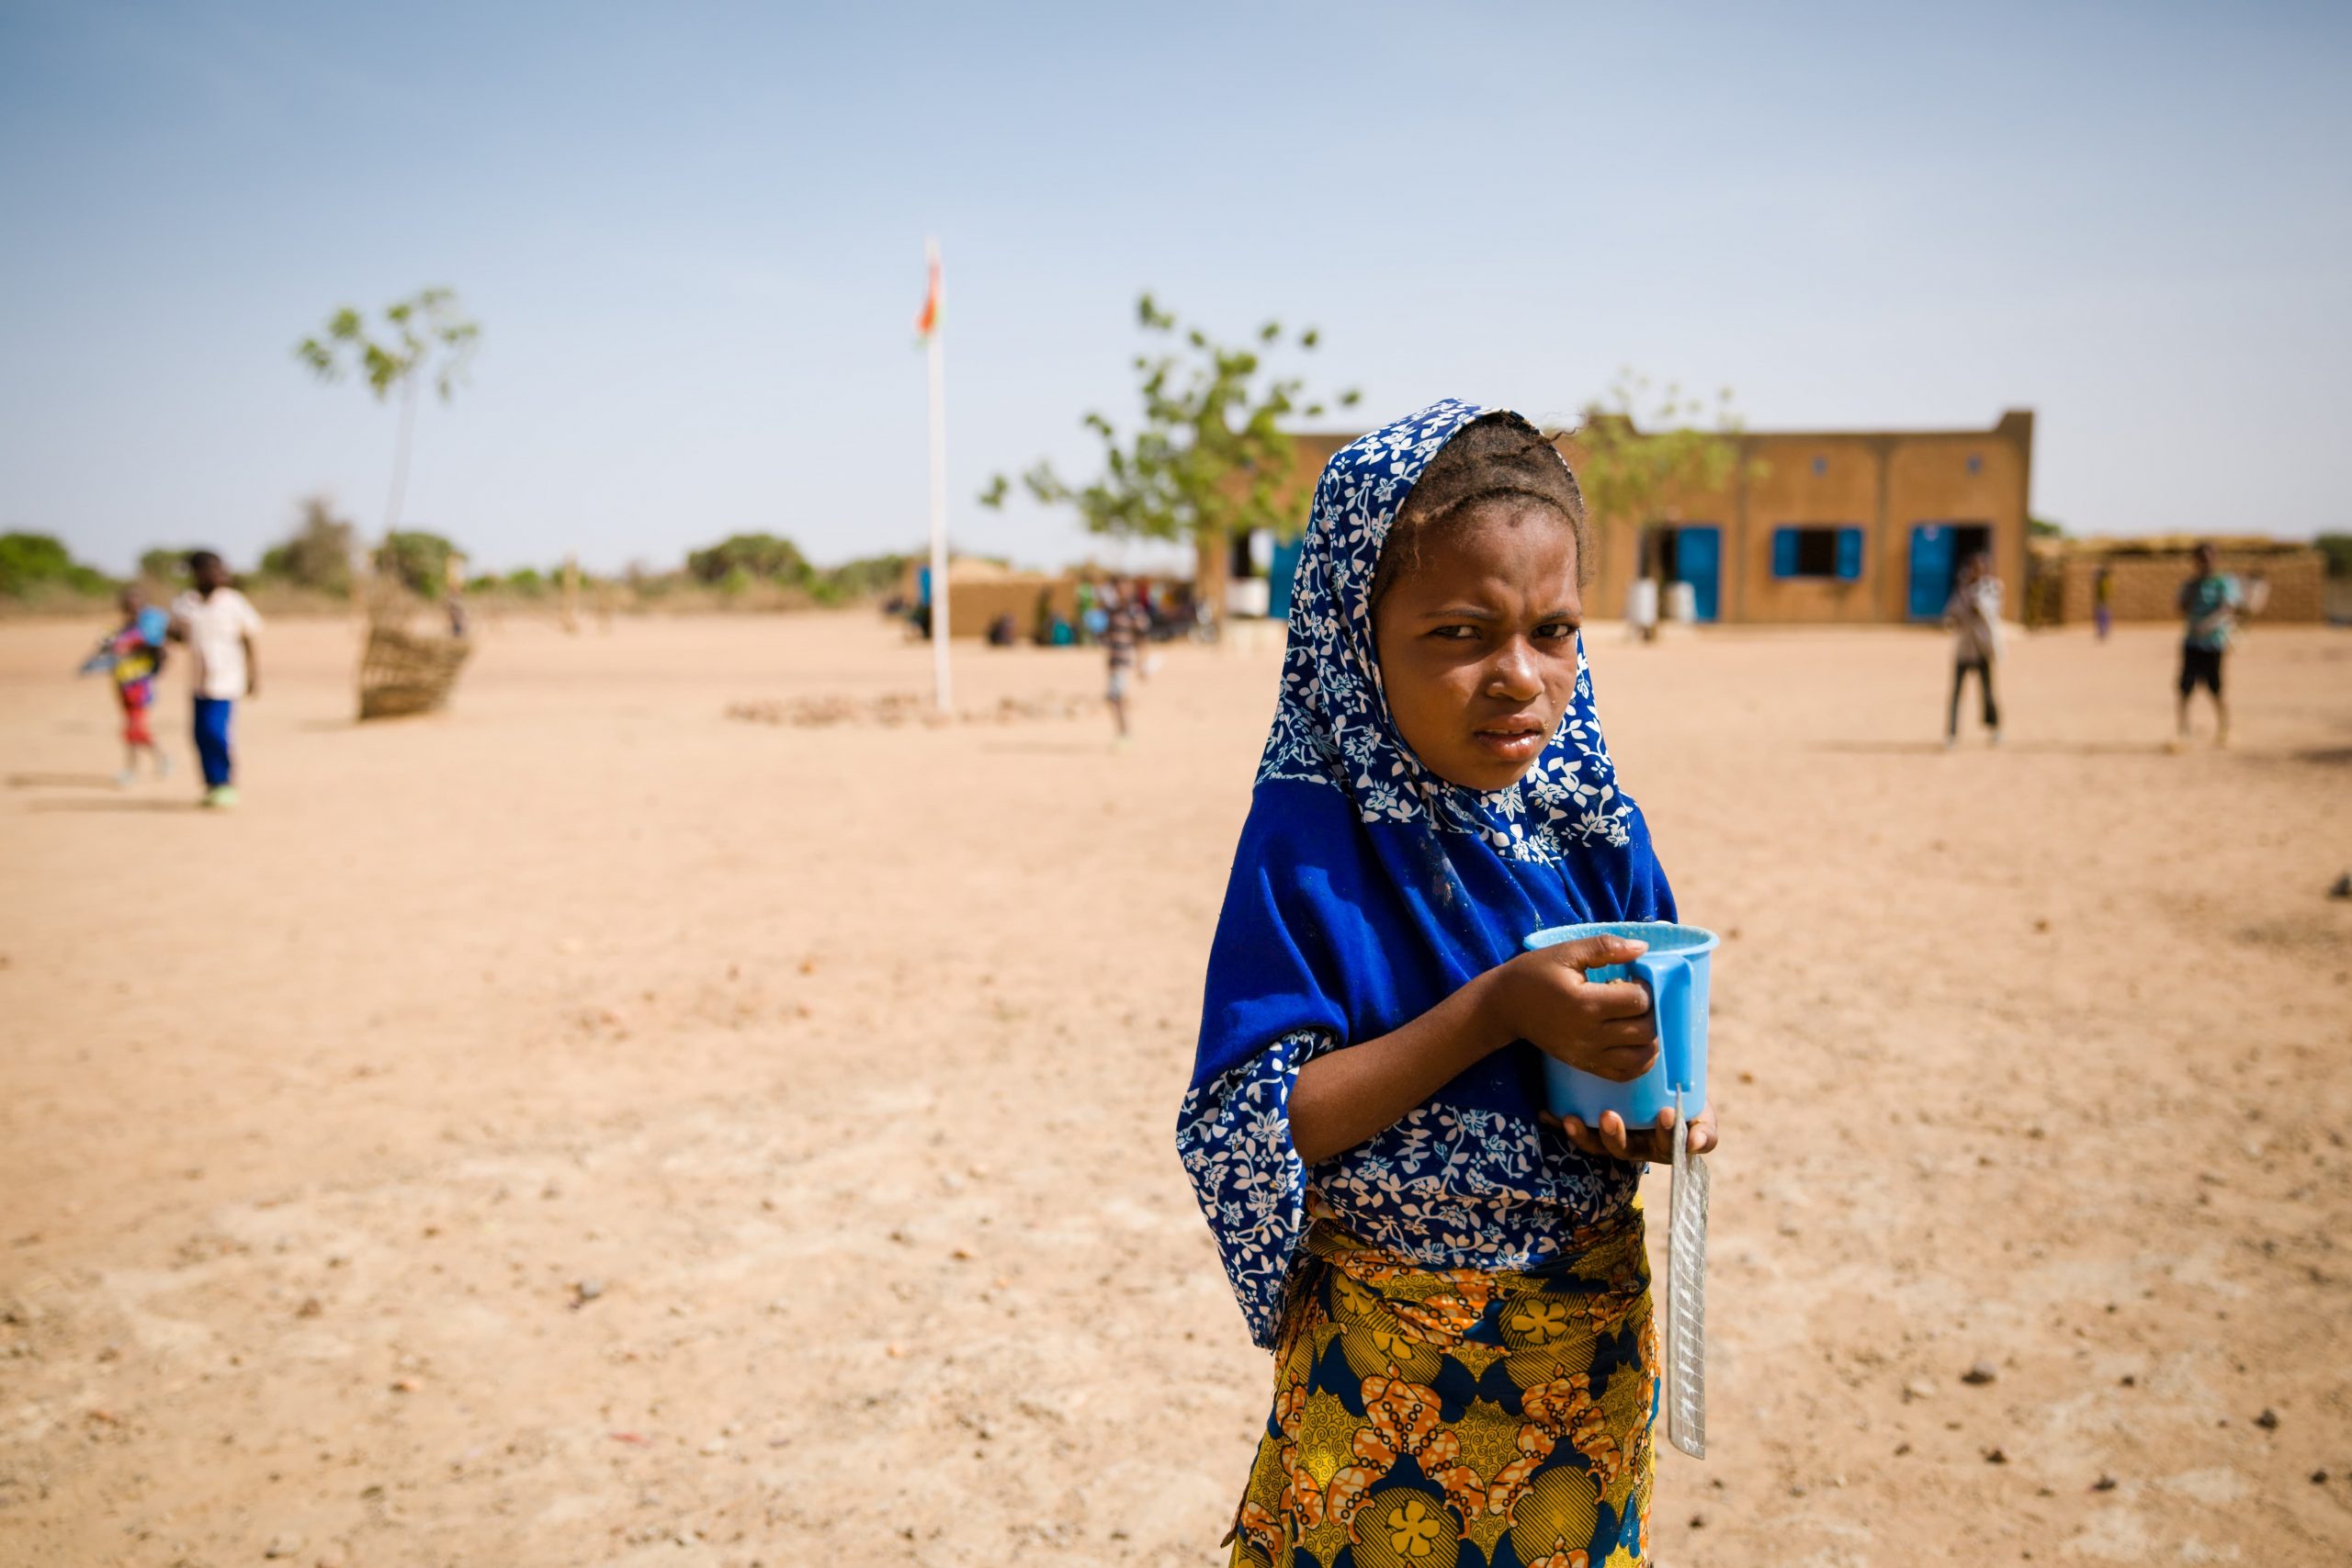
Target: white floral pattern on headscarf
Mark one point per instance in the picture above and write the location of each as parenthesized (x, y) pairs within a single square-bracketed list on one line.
[(1332, 723)]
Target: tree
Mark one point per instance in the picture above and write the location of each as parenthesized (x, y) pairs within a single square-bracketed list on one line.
[(2336, 551), (30, 563), (425, 332), (1210, 460), (1633, 474), (417, 561), (2044, 529), (317, 554), (746, 558), (863, 578), (164, 565)]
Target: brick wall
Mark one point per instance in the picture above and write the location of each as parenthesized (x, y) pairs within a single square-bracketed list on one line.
[(2146, 587)]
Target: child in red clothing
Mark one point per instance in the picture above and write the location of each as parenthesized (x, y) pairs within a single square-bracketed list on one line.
[(133, 655)]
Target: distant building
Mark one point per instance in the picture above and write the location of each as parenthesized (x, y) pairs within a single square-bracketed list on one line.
[(1842, 528), (1831, 527)]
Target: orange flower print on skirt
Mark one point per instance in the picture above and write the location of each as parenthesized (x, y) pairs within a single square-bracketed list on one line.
[(1442, 1417)]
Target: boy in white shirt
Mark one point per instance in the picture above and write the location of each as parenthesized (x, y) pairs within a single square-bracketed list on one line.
[(218, 622), (1973, 613)]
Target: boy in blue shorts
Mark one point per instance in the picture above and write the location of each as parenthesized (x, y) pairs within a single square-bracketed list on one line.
[(2209, 603)]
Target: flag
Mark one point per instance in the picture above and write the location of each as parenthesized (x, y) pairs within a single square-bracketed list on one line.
[(928, 323)]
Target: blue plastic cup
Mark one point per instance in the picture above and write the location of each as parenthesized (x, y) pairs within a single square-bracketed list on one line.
[(1675, 970)]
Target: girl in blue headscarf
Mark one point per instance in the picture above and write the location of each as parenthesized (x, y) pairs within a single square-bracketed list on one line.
[(1452, 1283)]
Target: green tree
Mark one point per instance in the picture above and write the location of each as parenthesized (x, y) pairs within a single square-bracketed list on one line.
[(2044, 529), (748, 557), (317, 554), (1210, 460), (2336, 551), (163, 565), (424, 335), (419, 561), (34, 563), (1638, 452), (862, 577)]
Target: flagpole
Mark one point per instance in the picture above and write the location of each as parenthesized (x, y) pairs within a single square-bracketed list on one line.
[(938, 485)]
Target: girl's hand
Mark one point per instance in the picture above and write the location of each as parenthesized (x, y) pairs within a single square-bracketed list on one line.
[(1611, 1138), (1603, 1028)]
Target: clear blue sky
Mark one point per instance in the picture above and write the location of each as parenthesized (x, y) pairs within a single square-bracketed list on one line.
[(693, 236)]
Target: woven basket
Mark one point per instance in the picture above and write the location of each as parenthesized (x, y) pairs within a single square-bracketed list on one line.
[(403, 673)]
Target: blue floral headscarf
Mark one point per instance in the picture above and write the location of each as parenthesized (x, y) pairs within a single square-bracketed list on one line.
[(1366, 889)]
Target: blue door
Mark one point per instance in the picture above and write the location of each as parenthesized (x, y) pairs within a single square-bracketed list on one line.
[(1283, 567), (1699, 562), (1931, 571)]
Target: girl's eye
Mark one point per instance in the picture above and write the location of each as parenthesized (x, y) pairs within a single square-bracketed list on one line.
[(1557, 629), (1455, 633)]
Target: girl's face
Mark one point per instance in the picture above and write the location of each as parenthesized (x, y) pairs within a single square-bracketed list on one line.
[(1477, 644)]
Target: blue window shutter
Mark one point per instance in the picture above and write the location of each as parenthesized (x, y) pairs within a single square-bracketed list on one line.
[(1850, 554), (1784, 552)]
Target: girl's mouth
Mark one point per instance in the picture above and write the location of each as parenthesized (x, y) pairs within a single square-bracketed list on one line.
[(1511, 741)]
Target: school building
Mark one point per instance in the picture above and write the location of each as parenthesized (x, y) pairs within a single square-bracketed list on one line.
[(1825, 526)]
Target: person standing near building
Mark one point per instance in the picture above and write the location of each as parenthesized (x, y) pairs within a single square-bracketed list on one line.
[(1973, 613), (218, 624), (2103, 601), (1122, 628), (2209, 603)]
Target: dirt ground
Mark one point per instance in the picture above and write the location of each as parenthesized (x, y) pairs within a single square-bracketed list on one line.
[(580, 1128)]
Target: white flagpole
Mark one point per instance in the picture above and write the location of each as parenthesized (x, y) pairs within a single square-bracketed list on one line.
[(938, 488)]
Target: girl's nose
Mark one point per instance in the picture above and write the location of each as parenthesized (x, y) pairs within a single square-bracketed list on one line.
[(1513, 674)]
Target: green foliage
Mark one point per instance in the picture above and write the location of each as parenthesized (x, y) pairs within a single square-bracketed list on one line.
[(2337, 551), (317, 554), (1628, 472), (2044, 529), (863, 578), (419, 561), (163, 565), (35, 563), (426, 329), (748, 557), (1209, 459)]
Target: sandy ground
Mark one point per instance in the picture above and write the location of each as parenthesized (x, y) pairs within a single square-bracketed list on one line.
[(840, 1066)]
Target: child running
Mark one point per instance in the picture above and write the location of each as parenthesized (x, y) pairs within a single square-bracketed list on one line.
[(219, 624), (1452, 1283), (133, 654)]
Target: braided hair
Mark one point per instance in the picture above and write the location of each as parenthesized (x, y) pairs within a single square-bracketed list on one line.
[(1496, 457)]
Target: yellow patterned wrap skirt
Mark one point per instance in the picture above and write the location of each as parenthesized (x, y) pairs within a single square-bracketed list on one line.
[(1435, 1417)]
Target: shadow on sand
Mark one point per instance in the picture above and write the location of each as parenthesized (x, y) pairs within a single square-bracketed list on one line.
[(1976, 743), (1048, 748), (1878, 748), (116, 803), (61, 780)]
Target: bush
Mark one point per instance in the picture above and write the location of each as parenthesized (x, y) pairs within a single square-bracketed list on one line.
[(764, 557), (419, 561), (31, 564), (2337, 551), (864, 578), (317, 554), (165, 568)]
